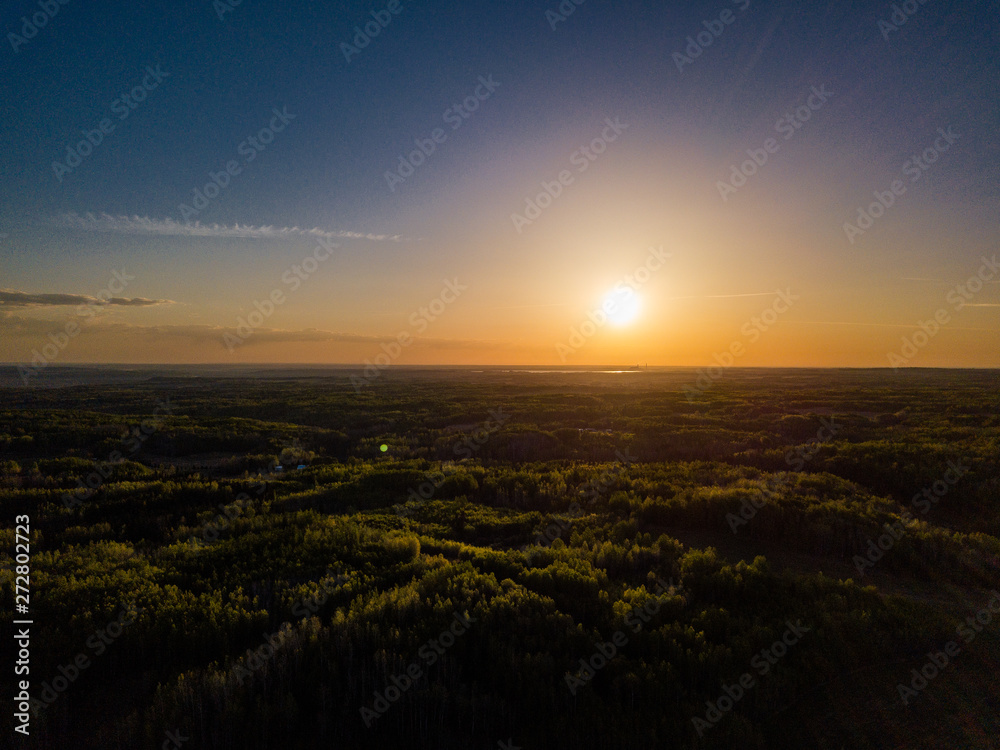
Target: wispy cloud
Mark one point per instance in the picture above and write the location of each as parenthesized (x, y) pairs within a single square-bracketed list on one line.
[(911, 326), (141, 225), (528, 307), (215, 334), (726, 296), (10, 298), (12, 325)]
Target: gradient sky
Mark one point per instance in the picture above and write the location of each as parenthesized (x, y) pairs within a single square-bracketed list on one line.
[(524, 289)]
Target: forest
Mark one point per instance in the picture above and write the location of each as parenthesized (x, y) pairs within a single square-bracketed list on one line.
[(252, 558)]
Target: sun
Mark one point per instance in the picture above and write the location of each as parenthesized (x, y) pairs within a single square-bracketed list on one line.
[(622, 305)]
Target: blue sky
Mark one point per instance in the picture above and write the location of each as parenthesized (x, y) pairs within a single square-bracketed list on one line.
[(221, 79)]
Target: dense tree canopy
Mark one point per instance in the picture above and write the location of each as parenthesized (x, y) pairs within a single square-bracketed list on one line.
[(469, 583)]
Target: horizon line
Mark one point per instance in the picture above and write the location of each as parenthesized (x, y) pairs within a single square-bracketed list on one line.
[(618, 367)]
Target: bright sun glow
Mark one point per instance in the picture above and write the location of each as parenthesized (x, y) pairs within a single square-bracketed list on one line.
[(622, 305)]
